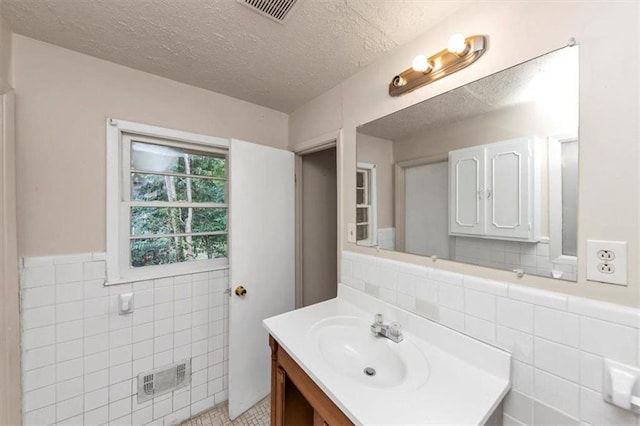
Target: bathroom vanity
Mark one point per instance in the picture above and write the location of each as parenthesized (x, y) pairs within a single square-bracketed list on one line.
[(331, 365)]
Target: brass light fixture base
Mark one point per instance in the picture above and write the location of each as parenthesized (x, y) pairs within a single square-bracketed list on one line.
[(443, 63)]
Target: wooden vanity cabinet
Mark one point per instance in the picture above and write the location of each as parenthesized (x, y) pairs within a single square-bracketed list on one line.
[(295, 399)]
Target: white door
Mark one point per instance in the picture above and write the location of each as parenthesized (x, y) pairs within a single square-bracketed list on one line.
[(508, 193), (261, 257), (466, 177)]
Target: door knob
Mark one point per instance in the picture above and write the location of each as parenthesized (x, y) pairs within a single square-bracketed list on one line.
[(240, 291)]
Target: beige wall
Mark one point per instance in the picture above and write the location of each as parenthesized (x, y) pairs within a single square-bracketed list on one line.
[(63, 99), (380, 152), (518, 31)]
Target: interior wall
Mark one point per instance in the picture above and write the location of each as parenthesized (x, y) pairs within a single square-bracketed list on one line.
[(380, 152), (319, 227), (609, 179), (63, 100)]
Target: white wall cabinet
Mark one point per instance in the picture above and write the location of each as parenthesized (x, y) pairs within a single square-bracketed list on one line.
[(494, 191)]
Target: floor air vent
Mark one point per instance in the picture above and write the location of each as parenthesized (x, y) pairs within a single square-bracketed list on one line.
[(163, 380), (277, 10)]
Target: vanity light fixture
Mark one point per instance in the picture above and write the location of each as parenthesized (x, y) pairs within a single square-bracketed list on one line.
[(460, 53)]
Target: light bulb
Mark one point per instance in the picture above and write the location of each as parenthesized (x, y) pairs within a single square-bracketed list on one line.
[(457, 44), (421, 64)]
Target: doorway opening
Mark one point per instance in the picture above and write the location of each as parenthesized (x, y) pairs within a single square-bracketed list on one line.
[(316, 225)]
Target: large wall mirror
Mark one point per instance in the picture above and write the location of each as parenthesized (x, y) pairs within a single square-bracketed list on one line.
[(485, 174)]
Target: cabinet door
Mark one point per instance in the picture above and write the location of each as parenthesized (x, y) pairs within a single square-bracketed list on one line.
[(466, 191), (508, 192)]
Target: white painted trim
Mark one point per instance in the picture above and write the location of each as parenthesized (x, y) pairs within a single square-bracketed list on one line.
[(117, 247), (318, 143), (373, 195), (555, 198)]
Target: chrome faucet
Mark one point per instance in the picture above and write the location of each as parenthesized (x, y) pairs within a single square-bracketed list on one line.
[(390, 331)]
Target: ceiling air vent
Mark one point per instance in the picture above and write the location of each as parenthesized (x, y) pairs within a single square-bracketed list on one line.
[(277, 10)]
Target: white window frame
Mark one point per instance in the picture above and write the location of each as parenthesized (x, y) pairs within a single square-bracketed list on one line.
[(117, 229), (372, 214), (555, 198)]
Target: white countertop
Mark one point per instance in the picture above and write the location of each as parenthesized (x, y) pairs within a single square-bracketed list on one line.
[(467, 379)]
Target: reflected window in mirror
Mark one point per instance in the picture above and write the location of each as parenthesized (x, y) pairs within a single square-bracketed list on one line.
[(366, 209), (563, 198)]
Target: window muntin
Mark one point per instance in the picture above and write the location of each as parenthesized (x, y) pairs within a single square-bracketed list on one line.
[(175, 198)]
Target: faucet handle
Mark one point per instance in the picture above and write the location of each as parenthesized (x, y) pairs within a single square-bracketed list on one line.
[(395, 329), (378, 319)]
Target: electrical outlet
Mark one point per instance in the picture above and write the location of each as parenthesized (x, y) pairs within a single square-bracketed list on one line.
[(606, 255), (607, 261), (606, 268)]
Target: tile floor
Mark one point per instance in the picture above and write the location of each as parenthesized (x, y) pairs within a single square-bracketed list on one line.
[(258, 415)]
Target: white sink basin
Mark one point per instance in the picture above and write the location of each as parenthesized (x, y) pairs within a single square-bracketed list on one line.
[(348, 346)]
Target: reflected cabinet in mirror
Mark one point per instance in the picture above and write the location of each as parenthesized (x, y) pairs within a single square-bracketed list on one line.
[(485, 174)]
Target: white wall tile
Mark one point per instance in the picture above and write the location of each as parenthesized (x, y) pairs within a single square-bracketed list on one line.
[(486, 286), (69, 311), (481, 305), (519, 406), (451, 297), (38, 317), (96, 380), (560, 360), (558, 326), (69, 408), (39, 398), (38, 337), (67, 331), (69, 369), (451, 318), (38, 357), (69, 350), (96, 343), (39, 378), (522, 377), (120, 408), (68, 273), (538, 297), (42, 416), (545, 415), (609, 340), (597, 412), (38, 296), (445, 276), (96, 325), (591, 367), (97, 416), (94, 270), (605, 311), (480, 329), (69, 388), (556, 392), (518, 343), (514, 314)]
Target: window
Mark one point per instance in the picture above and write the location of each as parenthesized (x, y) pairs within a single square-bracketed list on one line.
[(171, 210), (366, 227)]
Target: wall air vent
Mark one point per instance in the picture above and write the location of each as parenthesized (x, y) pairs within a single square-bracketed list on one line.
[(163, 380), (277, 10)]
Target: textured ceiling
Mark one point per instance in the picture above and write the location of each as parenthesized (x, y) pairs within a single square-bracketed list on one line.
[(548, 79), (223, 46)]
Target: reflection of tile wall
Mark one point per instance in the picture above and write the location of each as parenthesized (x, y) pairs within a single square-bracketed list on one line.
[(80, 358), (557, 342), (387, 238), (532, 258)]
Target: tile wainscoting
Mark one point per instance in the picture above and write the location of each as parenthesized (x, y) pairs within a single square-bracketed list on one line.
[(558, 342), (80, 358)]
